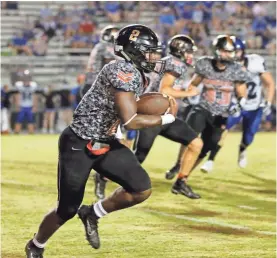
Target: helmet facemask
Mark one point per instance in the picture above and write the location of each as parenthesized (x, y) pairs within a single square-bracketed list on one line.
[(144, 57), (225, 56)]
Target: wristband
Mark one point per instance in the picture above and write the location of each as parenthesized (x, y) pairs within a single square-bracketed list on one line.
[(167, 119)]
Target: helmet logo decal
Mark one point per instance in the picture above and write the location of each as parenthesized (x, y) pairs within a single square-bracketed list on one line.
[(134, 35)]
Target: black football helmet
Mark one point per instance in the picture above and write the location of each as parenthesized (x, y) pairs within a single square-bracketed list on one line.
[(108, 34), (181, 44), (224, 42), (137, 43)]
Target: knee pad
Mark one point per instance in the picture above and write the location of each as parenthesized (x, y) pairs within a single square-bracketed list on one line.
[(67, 213)]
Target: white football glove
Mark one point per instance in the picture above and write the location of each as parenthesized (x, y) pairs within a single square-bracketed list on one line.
[(235, 110), (266, 105)]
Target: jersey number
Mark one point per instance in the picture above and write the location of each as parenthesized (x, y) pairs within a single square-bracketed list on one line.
[(26, 95), (251, 90), (134, 35)]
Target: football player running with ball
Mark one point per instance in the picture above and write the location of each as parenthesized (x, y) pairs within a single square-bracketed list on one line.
[(88, 144)]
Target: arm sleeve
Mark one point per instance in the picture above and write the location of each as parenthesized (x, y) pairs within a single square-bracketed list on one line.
[(175, 67), (240, 75)]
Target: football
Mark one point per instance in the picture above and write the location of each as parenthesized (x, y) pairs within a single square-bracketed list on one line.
[(152, 103)]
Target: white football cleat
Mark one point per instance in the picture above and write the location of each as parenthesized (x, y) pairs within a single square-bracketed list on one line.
[(242, 159), (207, 166)]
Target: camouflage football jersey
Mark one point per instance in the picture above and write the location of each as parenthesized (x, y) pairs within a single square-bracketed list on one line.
[(100, 53), (174, 66), (218, 86), (96, 112), (180, 70)]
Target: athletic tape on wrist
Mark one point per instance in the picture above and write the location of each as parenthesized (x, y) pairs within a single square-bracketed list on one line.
[(167, 119)]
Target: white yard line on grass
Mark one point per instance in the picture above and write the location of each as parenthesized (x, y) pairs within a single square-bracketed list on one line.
[(209, 221), (247, 207)]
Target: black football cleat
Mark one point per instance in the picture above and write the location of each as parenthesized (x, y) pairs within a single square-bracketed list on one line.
[(180, 187), (90, 221), (32, 251), (100, 186), (171, 173)]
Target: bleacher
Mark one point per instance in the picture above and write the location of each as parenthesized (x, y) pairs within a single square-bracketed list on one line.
[(59, 64)]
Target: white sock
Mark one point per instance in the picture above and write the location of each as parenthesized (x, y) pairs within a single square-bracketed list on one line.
[(37, 244), (99, 210)]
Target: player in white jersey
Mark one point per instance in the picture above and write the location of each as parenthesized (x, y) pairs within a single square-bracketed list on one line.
[(256, 105), (26, 103)]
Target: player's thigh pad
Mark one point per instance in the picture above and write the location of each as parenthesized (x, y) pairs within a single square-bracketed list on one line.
[(197, 119), (179, 131), (121, 166), (144, 141), (73, 171)]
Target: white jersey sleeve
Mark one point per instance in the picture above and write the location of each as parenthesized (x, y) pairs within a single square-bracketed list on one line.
[(256, 64), (255, 67)]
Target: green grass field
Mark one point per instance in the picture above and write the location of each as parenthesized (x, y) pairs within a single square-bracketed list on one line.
[(235, 217)]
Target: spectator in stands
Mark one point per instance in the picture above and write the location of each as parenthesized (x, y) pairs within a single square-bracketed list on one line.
[(9, 5), (167, 19), (183, 12), (198, 13), (69, 27), (131, 11), (61, 13), (271, 47), (80, 40), (49, 26), (113, 11), (219, 16), (259, 26), (5, 124), (28, 29), (19, 44), (39, 45), (46, 12), (93, 8), (258, 9), (87, 26)]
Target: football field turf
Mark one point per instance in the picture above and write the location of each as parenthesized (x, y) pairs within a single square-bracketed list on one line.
[(234, 219)]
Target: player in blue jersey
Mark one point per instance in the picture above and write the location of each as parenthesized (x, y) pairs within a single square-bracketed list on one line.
[(256, 105)]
